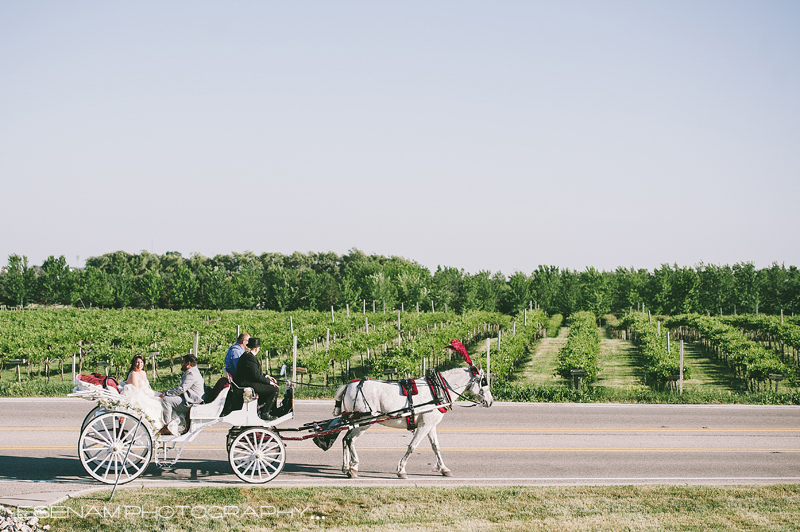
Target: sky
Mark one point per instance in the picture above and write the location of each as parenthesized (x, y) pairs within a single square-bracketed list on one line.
[(494, 136)]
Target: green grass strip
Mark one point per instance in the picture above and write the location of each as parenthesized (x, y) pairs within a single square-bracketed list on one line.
[(569, 508)]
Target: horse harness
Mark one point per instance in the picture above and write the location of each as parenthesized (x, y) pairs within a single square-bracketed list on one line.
[(438, 387)]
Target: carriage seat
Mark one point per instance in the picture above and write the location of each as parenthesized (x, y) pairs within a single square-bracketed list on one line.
[(211, 410)]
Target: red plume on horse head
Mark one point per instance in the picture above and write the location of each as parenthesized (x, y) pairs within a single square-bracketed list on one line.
[(457, 346)]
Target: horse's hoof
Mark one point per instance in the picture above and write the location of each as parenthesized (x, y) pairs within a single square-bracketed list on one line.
[(447, 473), (351, 473), (402, 475)]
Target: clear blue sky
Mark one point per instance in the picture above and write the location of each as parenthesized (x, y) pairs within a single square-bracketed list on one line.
[(484, 135)]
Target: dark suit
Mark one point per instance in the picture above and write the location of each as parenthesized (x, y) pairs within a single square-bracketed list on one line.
[(250, 375)]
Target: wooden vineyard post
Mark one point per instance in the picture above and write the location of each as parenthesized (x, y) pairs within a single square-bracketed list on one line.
[(681, 369), (153, 355), (488, 366), (294, 359), (488, 349)]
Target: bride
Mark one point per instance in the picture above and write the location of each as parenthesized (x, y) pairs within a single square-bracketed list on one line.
[(137, 389)]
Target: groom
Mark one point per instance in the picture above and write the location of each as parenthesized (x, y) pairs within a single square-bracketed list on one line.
[(180, 399)]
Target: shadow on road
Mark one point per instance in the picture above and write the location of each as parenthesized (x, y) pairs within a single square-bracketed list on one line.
[(63, 468)]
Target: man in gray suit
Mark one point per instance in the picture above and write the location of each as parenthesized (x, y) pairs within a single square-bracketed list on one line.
[(179, 400)]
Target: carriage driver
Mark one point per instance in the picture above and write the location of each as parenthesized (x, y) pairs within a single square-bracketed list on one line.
[(179, 400), (249, 374)]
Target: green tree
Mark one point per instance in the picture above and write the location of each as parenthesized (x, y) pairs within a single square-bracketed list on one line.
[(546, 287), (675, 290), (279, 288), (490, 289), (182, 287), (570, 296), (716, 289), (597, 291), (412, 286), (54, 283), (746, 287), (446, 287), (96, 288), (383, 289), (630, 289), (18, 281), (246, 284), (151, 288), (518, 294)]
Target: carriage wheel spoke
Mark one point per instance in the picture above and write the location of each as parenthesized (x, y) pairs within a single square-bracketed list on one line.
[(103, 462), (99, 436), (110, 438)]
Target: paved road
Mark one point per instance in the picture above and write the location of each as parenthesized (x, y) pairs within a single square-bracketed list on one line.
[(509, 444)]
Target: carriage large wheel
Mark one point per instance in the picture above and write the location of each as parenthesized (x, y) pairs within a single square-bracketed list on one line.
[(257, 455), (95, 412), (115, 445)]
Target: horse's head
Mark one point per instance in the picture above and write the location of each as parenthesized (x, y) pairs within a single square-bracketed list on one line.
[(479, 381), (479, 386)]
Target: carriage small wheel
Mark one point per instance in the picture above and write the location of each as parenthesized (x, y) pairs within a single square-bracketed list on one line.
[(257, 455), (114, 445)]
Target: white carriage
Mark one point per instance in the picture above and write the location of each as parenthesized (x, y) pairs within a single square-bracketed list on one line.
[(118, 440)]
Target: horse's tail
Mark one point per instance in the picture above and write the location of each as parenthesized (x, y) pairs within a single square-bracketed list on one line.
[(337, 409)]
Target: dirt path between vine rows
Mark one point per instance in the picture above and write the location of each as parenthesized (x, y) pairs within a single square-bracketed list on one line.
[(619, 363), (542, 366)]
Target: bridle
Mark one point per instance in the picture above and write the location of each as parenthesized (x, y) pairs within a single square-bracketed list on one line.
[(476, 376)]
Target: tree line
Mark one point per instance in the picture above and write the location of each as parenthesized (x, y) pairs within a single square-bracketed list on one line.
[(319, 281)]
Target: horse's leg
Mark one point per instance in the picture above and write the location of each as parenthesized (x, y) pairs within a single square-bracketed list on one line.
[(434, 439), (419, 433), (346, 453), (350, 458)]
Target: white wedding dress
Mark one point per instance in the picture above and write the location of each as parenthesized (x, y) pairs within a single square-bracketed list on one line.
[(145, 399)]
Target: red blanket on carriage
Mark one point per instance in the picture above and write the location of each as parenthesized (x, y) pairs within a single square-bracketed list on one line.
[(97, 379)]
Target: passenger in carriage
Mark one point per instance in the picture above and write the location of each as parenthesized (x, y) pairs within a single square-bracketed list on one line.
[(234, 352), (179, 400), (139, 393), (250, 375)]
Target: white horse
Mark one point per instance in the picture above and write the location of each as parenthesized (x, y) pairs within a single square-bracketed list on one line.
[(380, 397)]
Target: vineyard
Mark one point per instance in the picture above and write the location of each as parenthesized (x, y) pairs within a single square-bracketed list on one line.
[(329, 345), (758, 352)]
